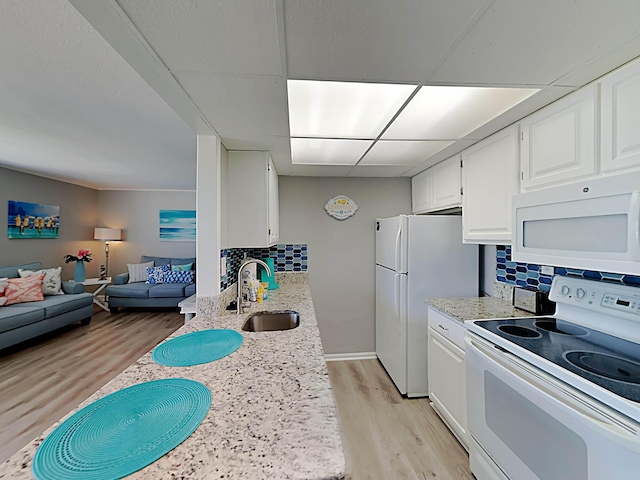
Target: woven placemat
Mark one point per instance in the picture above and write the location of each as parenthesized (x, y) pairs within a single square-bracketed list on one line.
[(196, 348), (123, 432)]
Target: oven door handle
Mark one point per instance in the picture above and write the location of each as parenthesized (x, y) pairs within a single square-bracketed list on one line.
[(619, 432)]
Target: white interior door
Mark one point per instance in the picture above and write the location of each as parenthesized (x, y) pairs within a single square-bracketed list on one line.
[(391, 345)]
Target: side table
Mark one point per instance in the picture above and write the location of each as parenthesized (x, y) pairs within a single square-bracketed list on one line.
[(102, 284)]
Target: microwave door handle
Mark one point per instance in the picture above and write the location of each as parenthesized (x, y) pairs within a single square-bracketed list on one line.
[(614, 432), (634, 227)]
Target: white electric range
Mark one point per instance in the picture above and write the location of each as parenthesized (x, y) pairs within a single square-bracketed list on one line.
[(558, 397)]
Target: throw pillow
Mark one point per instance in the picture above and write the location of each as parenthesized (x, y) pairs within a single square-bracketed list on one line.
[(156, 275), (21, 290), (138, 271), (3, 284), (185, 276), (180, 268), (52, 284)]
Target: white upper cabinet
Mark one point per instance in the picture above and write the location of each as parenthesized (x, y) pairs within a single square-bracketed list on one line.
[(421, 192), (446, 183), (558, 142), (489, 179), (252, 200), (620, 120), (437, 188)]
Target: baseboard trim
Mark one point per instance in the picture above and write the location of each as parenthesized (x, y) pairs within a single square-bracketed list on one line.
[(341, 357)]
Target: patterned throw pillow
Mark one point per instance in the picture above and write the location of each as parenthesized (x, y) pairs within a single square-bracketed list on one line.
[(3, 284), (138, 271), (156, 275), (181, 268), (21, 290), (185, 276), (52, 284)]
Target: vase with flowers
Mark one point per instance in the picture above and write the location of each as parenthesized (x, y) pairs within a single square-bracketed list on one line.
[(79, 274)]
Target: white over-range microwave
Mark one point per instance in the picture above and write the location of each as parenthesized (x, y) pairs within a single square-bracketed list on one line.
[(591, 224)]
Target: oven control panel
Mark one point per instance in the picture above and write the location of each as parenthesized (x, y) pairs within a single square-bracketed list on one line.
[(595, 295)]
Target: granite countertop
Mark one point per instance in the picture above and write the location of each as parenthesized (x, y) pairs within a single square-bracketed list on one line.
[(273, 413), (476, 308)]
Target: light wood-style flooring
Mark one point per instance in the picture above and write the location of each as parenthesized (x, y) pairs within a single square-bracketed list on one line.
[(387, 436), (45, 378)]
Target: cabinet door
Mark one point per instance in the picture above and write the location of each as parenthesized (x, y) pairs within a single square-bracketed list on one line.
[(446, 183), (558, 143), (274, 204), (620, 120), (421, 192), (447, 383), (489, 180)]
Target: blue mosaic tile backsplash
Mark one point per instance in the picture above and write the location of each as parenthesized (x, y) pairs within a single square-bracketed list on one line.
[(286, 258), (528, 274)]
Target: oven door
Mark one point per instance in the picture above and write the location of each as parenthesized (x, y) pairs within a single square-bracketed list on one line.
[(536, 427)]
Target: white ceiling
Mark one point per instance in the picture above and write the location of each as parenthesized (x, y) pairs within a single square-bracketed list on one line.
[(120, 109)]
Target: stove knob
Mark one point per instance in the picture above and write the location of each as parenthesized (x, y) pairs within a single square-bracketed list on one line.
[(580, 293), (565, 290)]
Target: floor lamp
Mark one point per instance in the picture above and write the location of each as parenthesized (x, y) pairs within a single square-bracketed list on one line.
[(107, 235)]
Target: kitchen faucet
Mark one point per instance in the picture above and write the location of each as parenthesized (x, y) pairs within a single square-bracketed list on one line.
[(247, 262)]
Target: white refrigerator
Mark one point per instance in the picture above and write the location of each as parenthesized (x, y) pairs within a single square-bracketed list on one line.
[(417, 257)]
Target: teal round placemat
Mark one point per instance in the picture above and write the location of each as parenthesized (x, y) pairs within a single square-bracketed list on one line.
[(123, 432), (196, 348)]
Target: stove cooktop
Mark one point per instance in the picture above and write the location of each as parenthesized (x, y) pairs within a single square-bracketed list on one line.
[(608, 361)]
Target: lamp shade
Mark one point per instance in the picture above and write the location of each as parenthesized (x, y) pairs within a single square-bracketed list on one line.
[(107, 234)]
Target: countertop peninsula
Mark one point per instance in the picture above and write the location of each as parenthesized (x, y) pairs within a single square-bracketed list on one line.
[(476, 308), (273, 413)]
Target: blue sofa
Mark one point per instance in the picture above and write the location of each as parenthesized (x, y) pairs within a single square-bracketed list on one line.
[(23, 321), (141, 294)]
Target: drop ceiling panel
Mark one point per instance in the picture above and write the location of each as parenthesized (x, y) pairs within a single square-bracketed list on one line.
[(536, 43), (376, 171), (221, 36), (393, 41), (73, 109), (239, 106), (401, 152), (343, 109), (320, 170), (323, 151), (446, 112)]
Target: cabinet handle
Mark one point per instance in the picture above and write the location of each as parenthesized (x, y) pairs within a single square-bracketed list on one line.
[(443, 327)]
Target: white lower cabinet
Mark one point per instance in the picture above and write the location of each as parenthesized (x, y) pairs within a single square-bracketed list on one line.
[(447, 377)]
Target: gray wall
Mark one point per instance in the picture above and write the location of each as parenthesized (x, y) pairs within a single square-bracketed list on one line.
[(78, 216), (341, 253), (137, 214), (487, 268)]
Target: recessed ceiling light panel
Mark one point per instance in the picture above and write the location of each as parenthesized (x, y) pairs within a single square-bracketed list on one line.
[(324, 151), (342, 109), (402, 152), (450, 113)]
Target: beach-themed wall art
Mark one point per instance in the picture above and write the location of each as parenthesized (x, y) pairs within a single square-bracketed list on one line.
[(32, 220), (178, 225), (340, 207)]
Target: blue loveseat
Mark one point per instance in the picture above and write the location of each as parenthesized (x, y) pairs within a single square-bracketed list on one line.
[(141, 294), (23, 321)]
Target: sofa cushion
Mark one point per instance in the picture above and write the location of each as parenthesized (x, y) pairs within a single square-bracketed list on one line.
[(16, 316), (58, 304), (185, 276), (190, 290), (183, 261), (132, 290), (167, 290), (21, 290), (155, 275), (157, 261), (12, 272), (138, 271), (52, 284)]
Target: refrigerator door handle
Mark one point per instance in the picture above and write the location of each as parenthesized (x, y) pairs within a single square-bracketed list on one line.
[(397, 297), (397, 266)]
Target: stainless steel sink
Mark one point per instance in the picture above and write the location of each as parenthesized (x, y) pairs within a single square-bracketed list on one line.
[(272, 321)]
